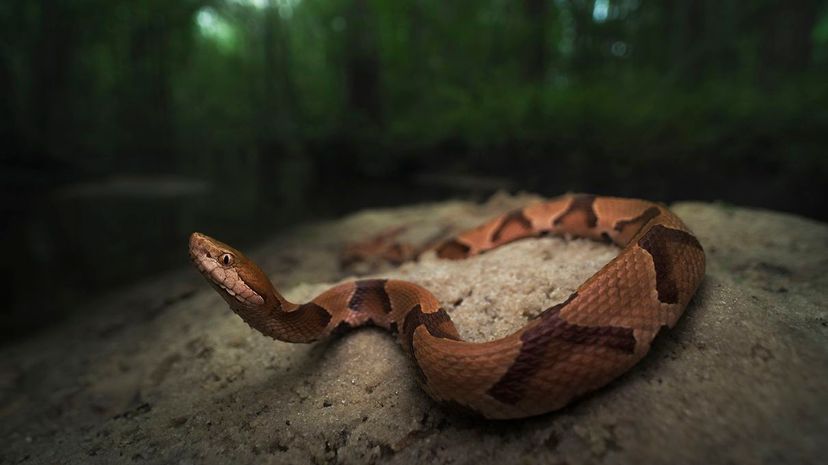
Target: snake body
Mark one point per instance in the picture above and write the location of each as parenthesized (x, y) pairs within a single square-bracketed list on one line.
[(574, 347)]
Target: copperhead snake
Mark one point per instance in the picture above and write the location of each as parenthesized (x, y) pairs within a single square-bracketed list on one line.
[(604, 328)]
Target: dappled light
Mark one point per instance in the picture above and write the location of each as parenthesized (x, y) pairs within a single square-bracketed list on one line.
[(212, 25), (600, 11)]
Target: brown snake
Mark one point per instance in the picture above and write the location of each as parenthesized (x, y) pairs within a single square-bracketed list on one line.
[(571, 348)]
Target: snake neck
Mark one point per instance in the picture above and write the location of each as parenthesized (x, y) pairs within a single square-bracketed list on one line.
[(281, 319)]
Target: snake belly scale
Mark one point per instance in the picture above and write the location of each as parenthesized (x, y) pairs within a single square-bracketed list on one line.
[(604, 328)]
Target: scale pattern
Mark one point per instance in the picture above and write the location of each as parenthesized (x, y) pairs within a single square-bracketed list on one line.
[(572, 348)]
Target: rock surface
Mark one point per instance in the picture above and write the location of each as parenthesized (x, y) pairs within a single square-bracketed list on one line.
[(165, 373)]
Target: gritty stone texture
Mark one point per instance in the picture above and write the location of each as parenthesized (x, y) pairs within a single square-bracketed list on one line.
[(165, 373)]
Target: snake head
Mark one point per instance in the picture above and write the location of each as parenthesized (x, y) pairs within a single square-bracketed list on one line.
[(233, 275)]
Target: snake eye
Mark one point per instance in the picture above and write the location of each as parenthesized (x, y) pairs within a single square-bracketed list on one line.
[(227, 259)]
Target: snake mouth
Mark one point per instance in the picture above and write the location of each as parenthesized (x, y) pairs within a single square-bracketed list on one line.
[(206, 253)]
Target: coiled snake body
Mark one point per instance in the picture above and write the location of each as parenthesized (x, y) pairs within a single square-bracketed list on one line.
[(571, 348)]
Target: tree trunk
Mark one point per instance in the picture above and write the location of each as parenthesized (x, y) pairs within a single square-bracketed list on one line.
[(535, 60), (362, 63), (147, 106), (786, 43), (52, 57)]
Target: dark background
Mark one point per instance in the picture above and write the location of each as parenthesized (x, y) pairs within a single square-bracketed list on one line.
[(127, 124)]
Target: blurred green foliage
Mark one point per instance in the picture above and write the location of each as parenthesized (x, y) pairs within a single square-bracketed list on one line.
[(263, 90)]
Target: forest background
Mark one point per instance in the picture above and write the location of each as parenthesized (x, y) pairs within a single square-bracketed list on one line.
[(124, 125)]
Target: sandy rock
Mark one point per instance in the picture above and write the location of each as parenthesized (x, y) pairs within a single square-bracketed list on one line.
[(165, 373)]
